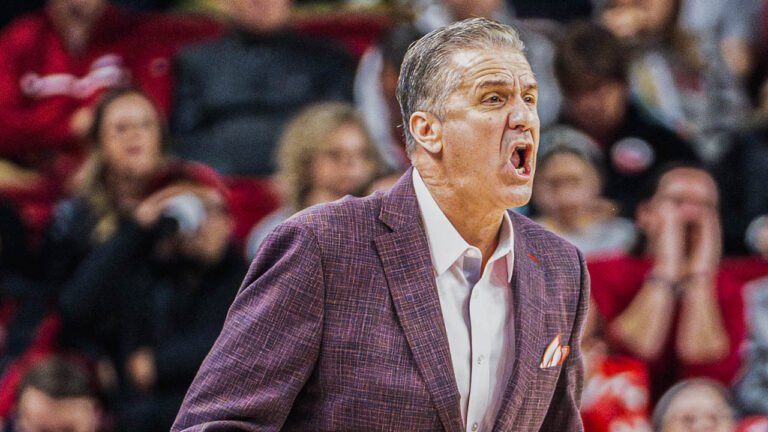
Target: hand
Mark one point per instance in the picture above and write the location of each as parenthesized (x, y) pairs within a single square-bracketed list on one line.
[(141, 369), (668, 242), (150, 209), (706, 245)]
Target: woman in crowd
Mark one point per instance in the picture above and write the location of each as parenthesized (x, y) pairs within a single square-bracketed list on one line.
[(324, 154), (128, 146), (567, 194)]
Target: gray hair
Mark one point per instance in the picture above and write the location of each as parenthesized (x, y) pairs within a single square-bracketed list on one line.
[(427, 76), (661, 410)]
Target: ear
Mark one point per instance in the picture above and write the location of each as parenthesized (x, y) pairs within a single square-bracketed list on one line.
[(427, 130)]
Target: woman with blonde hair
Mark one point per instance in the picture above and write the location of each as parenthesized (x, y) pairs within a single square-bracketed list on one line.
[(129, 141), (324, 154)]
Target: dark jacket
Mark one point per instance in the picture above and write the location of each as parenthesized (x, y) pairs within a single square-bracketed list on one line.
[(235, 94)]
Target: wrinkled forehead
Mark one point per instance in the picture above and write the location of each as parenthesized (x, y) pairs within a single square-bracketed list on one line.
[(692, 185), (476, 67)]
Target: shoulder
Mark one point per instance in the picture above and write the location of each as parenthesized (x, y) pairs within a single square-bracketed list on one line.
[(540, 237), (202, 52), (25, 30), (345, 218)]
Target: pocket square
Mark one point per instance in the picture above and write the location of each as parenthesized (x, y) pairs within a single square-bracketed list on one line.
[(555, 354)]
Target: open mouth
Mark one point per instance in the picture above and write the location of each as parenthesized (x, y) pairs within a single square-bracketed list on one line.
[(521, 158)]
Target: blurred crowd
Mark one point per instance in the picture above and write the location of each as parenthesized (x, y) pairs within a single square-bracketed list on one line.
[(148, 147)]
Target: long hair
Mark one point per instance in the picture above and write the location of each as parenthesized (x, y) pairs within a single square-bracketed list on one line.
[(94, 188), (303, 137)]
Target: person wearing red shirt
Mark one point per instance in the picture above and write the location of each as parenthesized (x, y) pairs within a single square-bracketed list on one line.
[(670, 305), (55, 62)]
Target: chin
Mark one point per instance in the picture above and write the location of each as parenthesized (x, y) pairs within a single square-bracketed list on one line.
[(517, 196)]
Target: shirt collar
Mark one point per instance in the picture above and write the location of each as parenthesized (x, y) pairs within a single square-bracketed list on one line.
[(445, 243)]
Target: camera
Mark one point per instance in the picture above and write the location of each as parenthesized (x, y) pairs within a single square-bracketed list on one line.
[(183, 213)]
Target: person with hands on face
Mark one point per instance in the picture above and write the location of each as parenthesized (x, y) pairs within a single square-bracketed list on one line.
[(669, 305)]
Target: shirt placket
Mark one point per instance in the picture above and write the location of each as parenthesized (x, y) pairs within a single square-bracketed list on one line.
[(479, 391)]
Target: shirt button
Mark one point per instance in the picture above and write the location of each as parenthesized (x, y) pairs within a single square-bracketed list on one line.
[(480, 359), (474, 426)]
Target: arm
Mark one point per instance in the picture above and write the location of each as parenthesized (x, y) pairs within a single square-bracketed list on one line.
[(701, 335), (270, 341), (563, 413), (643, 327)]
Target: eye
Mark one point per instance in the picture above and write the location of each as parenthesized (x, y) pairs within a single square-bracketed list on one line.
[(493, 99), (529, 99)]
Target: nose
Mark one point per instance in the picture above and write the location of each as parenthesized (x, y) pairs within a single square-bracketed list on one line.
[(522, 116)]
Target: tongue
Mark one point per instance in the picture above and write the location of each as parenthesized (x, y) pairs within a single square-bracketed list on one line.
[(515, 159)]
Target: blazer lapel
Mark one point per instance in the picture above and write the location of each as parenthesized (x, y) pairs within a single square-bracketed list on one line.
[(407, 264), (528, 289)]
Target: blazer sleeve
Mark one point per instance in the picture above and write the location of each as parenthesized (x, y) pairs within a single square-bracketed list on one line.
[(563, 413), (269, 344)]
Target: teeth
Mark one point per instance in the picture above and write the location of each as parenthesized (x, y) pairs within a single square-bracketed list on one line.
[(520, 170)]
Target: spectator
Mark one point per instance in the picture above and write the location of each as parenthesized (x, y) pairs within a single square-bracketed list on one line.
[(129, 141), (690, 89), (81, 48), (695, 405), (375, 85), (324, 154), (235, 94), (567, 194), (591, 67), (56, 395), (668, 304), (750, 389), (128, 144), (160, 289)]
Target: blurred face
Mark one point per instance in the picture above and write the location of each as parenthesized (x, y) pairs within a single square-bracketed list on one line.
[(38, 412), (131, 135), (636, 19), (698, 409), (565, 186), (462, 9), (343, 164), (598, 112), (81, 11), (688, 192), (261, 16), (490, 131)]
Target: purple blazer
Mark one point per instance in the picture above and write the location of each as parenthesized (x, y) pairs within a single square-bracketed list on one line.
[(338, 327)]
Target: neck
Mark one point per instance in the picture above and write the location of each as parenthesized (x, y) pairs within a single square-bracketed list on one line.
[(476, 222)]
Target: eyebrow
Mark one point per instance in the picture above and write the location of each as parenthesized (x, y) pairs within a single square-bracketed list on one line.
[(494, 83)]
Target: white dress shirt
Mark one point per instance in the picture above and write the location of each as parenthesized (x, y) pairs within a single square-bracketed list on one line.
[(477, 313)]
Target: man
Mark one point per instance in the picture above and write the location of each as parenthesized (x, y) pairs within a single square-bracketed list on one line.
[(235, 94), (426, 307), (672, 305), (56, 395)]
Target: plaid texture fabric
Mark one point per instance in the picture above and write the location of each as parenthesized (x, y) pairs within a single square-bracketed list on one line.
[(338, 327)]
